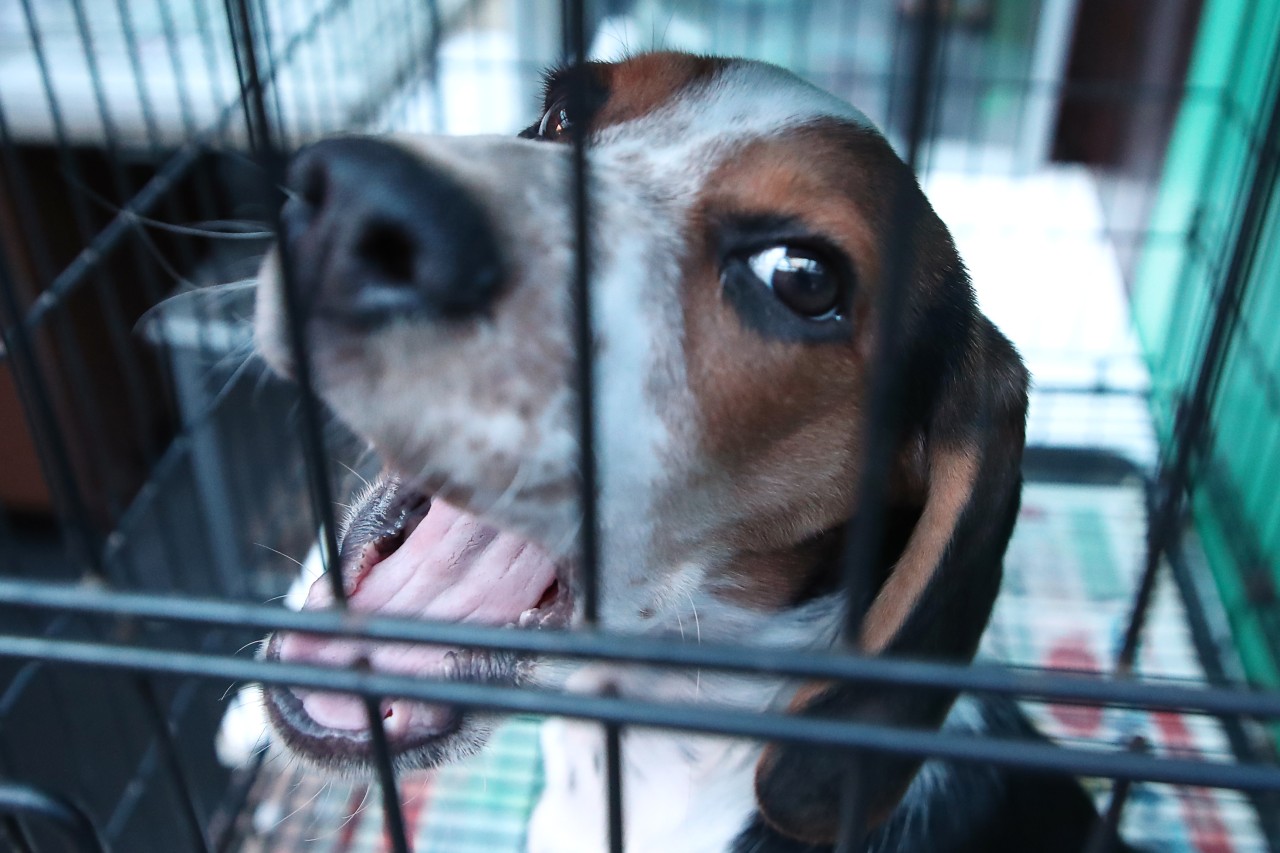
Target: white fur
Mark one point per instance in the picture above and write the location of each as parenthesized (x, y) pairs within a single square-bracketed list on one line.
[(681, 793)]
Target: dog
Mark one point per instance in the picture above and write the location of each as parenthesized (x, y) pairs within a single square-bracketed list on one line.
[(740, 221)]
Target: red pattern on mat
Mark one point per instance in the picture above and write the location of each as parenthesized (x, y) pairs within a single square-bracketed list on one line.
[(348, 832), (1072, 653), (414, 796), (1208, 833)]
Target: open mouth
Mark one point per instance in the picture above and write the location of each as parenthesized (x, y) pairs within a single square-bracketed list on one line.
[(404, 553)]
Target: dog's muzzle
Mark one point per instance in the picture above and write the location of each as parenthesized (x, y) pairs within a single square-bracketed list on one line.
[(389, 252)]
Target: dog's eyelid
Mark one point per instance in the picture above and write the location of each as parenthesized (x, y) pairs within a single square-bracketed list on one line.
[(572, 95), (742, 239), (744, 235), (553, 81)]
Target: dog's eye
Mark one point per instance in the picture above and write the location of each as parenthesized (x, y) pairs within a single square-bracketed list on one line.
[(800, 279), (556, 122)]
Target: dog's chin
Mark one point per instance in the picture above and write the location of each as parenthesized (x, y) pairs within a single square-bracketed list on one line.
[(406, 553)]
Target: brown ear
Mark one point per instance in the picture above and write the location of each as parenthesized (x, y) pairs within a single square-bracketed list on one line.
[(936, 600)]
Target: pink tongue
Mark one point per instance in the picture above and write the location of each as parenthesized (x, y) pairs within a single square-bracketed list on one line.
[(451, 568)]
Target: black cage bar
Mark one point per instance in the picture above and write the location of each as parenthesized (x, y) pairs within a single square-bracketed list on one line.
[(143, 151)]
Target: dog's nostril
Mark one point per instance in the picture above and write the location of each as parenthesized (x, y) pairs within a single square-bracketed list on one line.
[(315, 185), (387, 252)]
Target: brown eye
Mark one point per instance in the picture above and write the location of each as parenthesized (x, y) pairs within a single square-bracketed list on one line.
[(800, 280), (556, 123)]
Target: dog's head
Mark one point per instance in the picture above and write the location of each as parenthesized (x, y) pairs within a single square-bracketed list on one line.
[(739, 229)]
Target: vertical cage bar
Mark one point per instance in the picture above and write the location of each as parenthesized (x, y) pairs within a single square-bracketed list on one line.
[(204, 453), (575, 43), (111, 136), (243, 35), (393, 815), (172, 762), (584, 378), (130, 363), (47, 433), (436, 22), (305, 126), (212, 63), (129, 31), (244, 43), (102, 290), (1108, 828), (278, 138), (862, 541), (862, 536), (186, 257)]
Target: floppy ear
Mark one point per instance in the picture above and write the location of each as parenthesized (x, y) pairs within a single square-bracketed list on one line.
[(937, 598)]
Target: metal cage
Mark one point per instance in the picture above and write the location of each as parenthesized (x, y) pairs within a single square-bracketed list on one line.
[(145, 457)]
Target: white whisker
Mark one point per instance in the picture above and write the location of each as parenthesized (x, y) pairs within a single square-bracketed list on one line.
[(293, 560), (355, 474), (364, 803), (697, 625), (508, 495), (301, 805)]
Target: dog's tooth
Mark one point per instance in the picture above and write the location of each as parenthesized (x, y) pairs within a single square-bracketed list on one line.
[(527, 618), (449, 670)]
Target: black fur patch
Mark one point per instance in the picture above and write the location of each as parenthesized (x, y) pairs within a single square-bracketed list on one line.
[(972, 808)]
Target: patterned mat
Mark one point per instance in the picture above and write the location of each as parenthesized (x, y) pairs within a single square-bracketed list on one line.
[(1070, 572), (478, 805)]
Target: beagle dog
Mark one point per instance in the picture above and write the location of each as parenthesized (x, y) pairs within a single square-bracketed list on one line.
[(740, 221)]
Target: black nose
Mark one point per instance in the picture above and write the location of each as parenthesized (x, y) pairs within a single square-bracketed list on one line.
[(375, 233)]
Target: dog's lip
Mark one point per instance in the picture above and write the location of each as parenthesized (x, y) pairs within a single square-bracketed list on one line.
[(287, 710), (407, 510), (397, 533)]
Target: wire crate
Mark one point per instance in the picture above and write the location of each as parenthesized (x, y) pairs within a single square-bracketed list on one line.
[(1108, 171)]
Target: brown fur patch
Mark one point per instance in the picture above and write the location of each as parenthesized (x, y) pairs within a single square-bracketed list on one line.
[(952, 476), (641, 85), (786, 418)]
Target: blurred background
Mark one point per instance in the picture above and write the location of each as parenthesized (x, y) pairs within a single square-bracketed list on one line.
[(1108, 169)]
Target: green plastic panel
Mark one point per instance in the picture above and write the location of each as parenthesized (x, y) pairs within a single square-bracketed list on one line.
[(1209, 169)]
